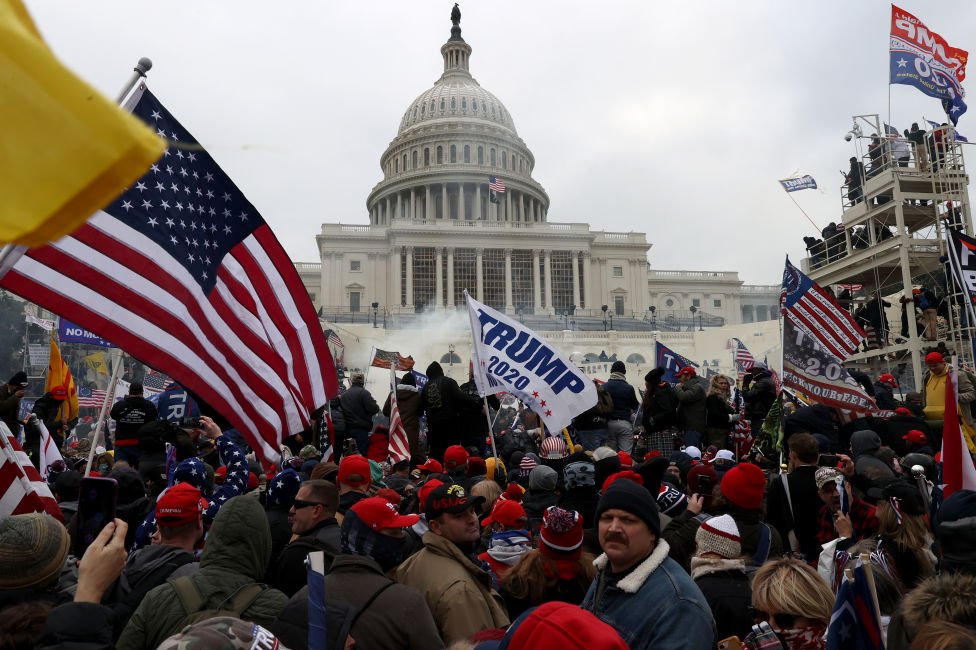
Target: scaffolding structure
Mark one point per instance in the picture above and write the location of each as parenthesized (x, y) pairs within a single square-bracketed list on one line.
[(891, 241)]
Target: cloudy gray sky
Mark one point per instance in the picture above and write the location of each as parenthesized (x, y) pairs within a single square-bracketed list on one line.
[(675, 119)]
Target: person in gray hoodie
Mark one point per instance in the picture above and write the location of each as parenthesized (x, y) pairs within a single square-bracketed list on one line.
[(869, 470)]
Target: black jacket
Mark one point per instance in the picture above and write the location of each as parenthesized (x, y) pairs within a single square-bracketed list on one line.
[(10, 407), (359, 408), (624, 398), (805, 500), (78, 626), (290, 573), (660, 409), (717, 412), (729, 595), (759, 392), (442, 399), (130, 414)]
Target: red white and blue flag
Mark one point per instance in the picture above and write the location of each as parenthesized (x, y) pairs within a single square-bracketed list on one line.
[(91, 398), (856, 620), (496, 184), (21, 488), (399, 447), (183, 273), (808, 306)]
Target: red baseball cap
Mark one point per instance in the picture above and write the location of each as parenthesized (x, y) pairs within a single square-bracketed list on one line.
[(934, 357), (179, 505), (901, 410), (377, 512), (688, 370), (626, 462), (455, 456), (432, 465), (390, 495), (426, 489), (220, 474), (509, 514), (889, 379), (916, 437), (354, 471), (59, 393), (252, 481)]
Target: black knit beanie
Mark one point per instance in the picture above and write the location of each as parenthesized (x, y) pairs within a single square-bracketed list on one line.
[(633, 498)]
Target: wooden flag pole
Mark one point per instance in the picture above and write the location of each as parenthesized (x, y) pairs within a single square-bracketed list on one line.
[(103, 412)]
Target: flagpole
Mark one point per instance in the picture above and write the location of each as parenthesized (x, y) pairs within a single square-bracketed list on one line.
[(142, 67), (372, 355), (790, 194), (491, 431), (109, 395)]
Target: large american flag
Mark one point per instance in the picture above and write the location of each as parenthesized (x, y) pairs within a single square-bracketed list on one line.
[(496, 184), (183, 274), (816, 312), (399, 447), (21, 488)]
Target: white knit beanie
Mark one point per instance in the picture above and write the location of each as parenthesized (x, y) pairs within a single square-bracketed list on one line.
[(719, 535)]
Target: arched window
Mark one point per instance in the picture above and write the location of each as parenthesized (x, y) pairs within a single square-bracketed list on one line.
[(464, 104), (404, 167), (396, 165), (453, 103), (504, 160), (493, 110), (415, 159), (481, 155), (440, 155), (423, 108), (474, 104), (442, 104), (432, 106), (491, 157), (636, 358), (426, 157), (453, 153), (467, 153)]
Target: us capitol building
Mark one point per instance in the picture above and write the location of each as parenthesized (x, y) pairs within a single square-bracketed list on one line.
[(436, 228)]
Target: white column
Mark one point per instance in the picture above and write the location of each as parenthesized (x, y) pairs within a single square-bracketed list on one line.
[(508, 206), (477, 201), (549, 307), (428, 213), (450, 278), (536, 284), (461, 214), (587, 280), (410, 276), (413, 205), (325, 281), (338, 295), (509, 308), (576, 279), (439, 279), (396, 281), (445, 206), (389, 210), (399, 207), (480, 274)]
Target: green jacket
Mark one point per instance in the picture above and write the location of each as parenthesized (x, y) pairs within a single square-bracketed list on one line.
[(236, 554)]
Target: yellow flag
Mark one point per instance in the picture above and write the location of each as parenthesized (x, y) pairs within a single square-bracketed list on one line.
[(66, 151), (59, 377), (96, 363)]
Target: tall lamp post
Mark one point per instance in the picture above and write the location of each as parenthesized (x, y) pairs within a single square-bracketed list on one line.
[(693, 310), (700, 328), (376, 308), (450, 350), (604, 310), (653, 318)]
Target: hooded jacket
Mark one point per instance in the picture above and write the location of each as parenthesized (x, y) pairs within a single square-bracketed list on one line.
[(236, 554), (691, 406), (458, 592), (359, 407), (759, 395), (408, 403), (442, 398), (869, 470)]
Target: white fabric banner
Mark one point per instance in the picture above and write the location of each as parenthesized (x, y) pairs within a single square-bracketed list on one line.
[(509, 357), (43, 323), (48, 448)]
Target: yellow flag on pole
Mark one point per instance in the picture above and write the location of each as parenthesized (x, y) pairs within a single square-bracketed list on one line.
[(67, 150), (96, 363), (59, 377)]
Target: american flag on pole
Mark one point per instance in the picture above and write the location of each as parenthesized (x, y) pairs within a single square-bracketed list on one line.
[(812, 309), (21, 488), (744, 360), (387, 359), (399, 447), (183, 274), (334, 339), (91, 398), (496, 184)]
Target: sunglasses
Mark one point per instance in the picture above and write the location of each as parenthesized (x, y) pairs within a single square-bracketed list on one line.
[(298, 504), (783, 620)]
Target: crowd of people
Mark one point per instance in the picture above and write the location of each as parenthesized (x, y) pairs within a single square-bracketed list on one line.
[(646, 524)]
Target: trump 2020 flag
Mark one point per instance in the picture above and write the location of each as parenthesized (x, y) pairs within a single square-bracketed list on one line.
[(671, 361), (509, 357), (797, 184)]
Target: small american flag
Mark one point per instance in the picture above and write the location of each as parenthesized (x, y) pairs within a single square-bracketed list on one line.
[(399, 447), (388, 359), (496, 185), (817, 313), (21, 488), (155, 381), (90, 398), (334, 339)]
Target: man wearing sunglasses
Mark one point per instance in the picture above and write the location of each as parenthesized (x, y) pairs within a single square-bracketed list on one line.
[(312, 518)]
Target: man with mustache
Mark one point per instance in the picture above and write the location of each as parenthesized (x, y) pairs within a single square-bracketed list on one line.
[(645, 595), (458, 591)]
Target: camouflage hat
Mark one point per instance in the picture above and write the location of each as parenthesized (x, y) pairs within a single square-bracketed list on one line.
[(84, 446), (222, 633)]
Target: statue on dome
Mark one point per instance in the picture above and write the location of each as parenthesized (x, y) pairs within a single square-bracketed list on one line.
[(456, 15)]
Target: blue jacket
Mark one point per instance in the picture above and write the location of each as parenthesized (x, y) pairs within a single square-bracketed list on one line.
[(657, 605), (624, 397)]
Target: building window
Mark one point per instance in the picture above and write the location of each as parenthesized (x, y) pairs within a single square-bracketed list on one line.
[(618, 271), (442, 104), (481, 155), (453, 104), (453, 153), (504, 160), (404, 167), (474, 104), (354, 301), (562, 280), (523, 291), (716, 303), (696, 302), (396, 166), (493, 268), (426, 157), (424, 276), (618, 305), (415, 159), (465, 273), (440, 155), (355, 265), (669, 303), (491, 157), (467, 153)]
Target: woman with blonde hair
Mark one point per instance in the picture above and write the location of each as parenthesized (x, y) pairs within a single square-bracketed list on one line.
[(720, 415), (488, 489), (796, 602)]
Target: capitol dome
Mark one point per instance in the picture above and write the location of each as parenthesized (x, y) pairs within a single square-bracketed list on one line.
[(452, 140)]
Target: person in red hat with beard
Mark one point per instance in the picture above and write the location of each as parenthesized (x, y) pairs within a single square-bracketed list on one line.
[(884, 394)]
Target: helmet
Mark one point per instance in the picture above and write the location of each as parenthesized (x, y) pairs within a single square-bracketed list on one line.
[(926, 461)]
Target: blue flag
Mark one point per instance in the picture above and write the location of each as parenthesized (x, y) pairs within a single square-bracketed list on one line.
[(802, 183), (855, 624), (959, 136), (671, 361)]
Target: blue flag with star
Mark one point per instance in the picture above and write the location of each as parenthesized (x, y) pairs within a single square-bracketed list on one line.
[(671, 361), (855, 623)]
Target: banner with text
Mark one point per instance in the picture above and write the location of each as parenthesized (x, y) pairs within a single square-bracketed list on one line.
[(68, 332), (671, 361), (801, 183), (509, 357)]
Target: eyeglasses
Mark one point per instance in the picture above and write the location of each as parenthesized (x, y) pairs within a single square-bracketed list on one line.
[(298, 504), (783, 620)]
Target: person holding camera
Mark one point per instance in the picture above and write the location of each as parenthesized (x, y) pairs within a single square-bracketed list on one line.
[(10, 396), (129, 415)]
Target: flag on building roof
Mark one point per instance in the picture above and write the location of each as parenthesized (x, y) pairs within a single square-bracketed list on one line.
[(68, 150), (21, 488), (59, 376), (496, 184), (399, 447), (183, 274), (387, 359), (924, 60), (806, 304)]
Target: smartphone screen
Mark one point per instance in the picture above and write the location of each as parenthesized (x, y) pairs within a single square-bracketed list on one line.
[(828, 460), (96, 507)]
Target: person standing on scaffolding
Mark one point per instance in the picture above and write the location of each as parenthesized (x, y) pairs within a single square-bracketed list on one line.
[(854, 179)]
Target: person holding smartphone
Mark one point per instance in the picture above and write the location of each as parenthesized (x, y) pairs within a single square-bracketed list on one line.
[(860, 520), (10, 395)]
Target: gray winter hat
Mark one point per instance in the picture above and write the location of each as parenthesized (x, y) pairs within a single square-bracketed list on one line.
[(543, 478)]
